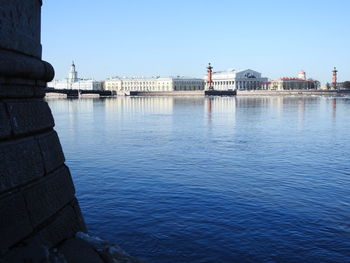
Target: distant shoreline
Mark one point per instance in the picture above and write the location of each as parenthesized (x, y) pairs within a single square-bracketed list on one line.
[(239, 93), (292, 92)]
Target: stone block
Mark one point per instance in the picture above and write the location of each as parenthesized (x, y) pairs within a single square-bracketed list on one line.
[(39, 92), (20, 26), (15, 65), (77, 210), (47, 196), (30, 250), (16, 91), (76, 250), (14, 219), (5, 128), (63, 226), (28, 116), (51, 150), (21, 162)]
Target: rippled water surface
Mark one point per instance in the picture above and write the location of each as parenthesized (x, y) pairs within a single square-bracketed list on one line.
[(246, 179)]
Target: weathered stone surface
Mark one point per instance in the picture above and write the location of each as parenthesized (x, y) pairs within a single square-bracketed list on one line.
[(14, 220), (20, 26), (77, 210), (36, 189), (51, 151), (15, 65), (47, 196), (29, 116), (16, 91), (5, 128), (110, 253), (76, 250), (30, 250), (21, 91), (63, 226), (21, 81), (21, 163)]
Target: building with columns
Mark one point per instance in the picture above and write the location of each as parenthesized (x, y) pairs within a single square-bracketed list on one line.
[(73, 82), (236, 80), (123, 86)]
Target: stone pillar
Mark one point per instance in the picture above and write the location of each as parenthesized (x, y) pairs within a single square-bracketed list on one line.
[(37, 196)]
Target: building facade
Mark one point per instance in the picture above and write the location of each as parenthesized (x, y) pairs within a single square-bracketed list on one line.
[(123, 86), (236, 80), (73, 82), (292, 83)]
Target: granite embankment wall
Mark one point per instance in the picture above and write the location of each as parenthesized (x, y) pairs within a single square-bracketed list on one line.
[(39, 214), (37, 196), (168, 93), (293, 92)]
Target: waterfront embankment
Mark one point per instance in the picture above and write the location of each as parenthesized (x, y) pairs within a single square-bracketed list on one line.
[(168, 93), (292, 92)]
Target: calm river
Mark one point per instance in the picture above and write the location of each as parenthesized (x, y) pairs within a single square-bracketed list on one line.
[(193, 179)]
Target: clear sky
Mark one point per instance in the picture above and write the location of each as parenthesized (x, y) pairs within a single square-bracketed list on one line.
[(179, 37)]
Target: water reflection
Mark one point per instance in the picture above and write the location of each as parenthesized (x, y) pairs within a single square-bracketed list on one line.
[(212, 179), (232, 108)]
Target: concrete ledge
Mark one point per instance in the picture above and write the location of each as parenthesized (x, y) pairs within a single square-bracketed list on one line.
[(21, 163), (47, 196), (14, 220), (51, 151), (28, 116)]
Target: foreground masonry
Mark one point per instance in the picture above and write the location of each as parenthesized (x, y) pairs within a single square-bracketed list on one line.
[(40, 218)]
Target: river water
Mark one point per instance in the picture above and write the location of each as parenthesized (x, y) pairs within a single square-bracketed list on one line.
[(193, 179)]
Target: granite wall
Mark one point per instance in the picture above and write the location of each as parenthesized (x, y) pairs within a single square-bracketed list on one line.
[(38, 207), (40, 218)]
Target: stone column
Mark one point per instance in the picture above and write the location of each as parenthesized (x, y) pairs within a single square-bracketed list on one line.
[(37, 196)]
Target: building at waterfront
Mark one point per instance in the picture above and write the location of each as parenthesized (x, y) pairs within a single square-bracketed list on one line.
[(292, 83), (73, 82), (236, 80), (122, 86)]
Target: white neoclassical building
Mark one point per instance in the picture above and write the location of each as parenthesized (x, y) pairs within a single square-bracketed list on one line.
[(292, 83), (122, 86), (73, 82), (236, 80)]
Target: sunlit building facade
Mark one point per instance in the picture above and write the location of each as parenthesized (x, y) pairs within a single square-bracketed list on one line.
[(73, 82), (292, 83), (122, 86), (236, 80)]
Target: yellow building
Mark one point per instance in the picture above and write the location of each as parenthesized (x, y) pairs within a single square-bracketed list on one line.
[(123, 86)]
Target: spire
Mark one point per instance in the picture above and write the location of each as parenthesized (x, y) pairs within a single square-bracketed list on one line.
[(73, 74)]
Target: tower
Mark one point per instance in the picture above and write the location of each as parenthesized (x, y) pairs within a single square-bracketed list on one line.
[(73, 74), (210, 81), (302, 75), (334, 79)]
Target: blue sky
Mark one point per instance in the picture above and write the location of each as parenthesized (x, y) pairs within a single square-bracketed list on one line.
[(163, 37)]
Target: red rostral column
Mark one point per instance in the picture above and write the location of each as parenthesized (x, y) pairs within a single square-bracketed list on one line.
[(210, 81), (334, 79)]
